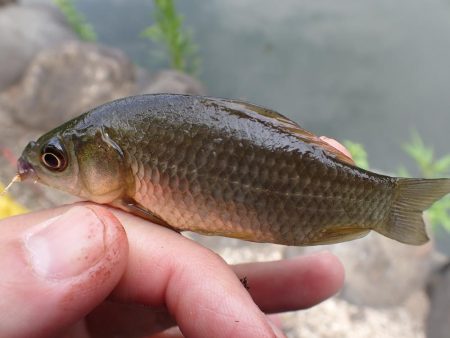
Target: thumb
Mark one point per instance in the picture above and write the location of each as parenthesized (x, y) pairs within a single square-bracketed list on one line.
[(57, 271)]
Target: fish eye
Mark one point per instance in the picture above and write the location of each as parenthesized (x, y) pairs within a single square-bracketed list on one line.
[(53, 157)]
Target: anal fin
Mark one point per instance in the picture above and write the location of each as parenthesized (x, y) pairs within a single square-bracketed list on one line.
[(337, 235)]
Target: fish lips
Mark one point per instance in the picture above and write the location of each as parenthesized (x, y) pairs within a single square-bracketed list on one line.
[(25, 170)]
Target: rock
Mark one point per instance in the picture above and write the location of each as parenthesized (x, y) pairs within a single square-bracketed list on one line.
[(338, 318), (371, 266), (380, 271), (175, 82), (438, 321), (79, 76), (418, 306), (24, 31), (7, 2), (13, 138), (235, 251), (67, 80), (60, 83)]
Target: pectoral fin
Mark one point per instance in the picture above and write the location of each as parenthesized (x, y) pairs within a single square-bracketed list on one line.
[(131, 206)]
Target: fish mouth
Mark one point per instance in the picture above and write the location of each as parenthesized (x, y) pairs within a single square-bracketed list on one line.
[(25, 170)]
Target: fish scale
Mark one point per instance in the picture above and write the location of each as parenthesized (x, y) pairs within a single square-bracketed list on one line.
[(291, 209), (225, 167)]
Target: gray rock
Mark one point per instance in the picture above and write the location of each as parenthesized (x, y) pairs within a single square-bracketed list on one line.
[(13, 138), (379, 271), (60, 83), (418, 307), (235, 251), (67, 80), (24, 31), (175, 82), (438, 321), (7, 2), (338, 318)]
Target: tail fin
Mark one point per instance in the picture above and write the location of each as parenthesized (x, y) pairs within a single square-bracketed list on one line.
[(405, 222)]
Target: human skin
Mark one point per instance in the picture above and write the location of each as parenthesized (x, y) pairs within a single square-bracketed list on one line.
[(55, 282), (86, 270)]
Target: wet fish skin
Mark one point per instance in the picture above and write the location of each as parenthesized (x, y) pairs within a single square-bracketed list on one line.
[(230, 168)]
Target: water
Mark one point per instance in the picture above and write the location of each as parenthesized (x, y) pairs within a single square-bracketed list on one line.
[(369, 71)]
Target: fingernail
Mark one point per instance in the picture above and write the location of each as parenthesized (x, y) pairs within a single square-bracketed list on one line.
[(67, 245)]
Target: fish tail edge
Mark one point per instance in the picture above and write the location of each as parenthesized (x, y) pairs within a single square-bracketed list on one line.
[(413, 196)]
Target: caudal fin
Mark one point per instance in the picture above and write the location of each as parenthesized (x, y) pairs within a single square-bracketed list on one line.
[(405, 222)]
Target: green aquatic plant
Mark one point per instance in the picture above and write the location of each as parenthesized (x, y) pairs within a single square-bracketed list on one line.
[(427, 165), (423, 156), (76, 20), (168, 31), (358, 152), (430, 167)]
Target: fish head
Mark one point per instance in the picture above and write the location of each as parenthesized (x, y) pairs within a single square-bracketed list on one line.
[(84, 163)]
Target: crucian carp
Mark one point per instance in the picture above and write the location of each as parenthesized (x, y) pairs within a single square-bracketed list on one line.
[(225, 167)]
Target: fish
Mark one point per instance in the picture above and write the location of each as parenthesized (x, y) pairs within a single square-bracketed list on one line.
[(227, 168)]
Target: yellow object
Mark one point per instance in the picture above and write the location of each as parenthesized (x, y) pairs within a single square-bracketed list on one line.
[(8, 207)]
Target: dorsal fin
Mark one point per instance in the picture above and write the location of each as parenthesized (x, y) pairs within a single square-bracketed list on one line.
[(282, 122)]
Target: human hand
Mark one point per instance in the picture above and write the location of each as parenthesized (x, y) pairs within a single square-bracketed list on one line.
[(90, 271)]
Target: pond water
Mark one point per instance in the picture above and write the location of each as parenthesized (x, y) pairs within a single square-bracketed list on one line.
[(369, 71)]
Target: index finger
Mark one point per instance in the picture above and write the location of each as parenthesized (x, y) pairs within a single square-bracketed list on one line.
[(198, 288)]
